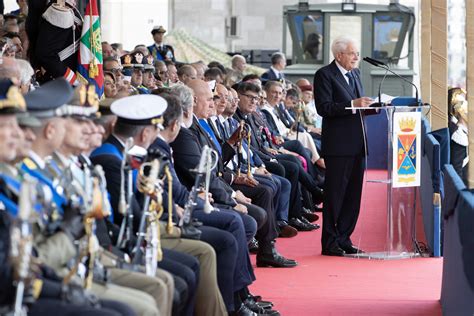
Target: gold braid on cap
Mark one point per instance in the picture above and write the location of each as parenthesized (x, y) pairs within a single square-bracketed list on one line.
[(14, 99), (157, 121)]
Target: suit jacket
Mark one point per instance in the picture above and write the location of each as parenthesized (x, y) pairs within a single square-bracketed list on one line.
[(271, 123), (271, 75), (187, 149), (288, 121), (342, 130), (180, 192)]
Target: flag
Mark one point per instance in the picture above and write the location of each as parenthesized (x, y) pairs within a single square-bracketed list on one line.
[(90, 68)]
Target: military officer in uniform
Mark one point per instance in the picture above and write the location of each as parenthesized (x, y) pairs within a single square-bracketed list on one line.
[(55, 37), (50, 295), (48, 104), (158, 50)]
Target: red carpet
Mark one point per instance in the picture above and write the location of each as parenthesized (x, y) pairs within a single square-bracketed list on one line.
[(323, 285)]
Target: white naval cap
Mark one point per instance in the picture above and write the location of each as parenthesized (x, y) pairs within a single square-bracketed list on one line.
[(143, 109)]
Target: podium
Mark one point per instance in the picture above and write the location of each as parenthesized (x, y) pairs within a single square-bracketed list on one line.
[(401, 182)]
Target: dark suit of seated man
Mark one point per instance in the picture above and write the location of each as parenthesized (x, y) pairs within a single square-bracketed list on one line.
[(227, 220), (336, 87), (187, 151)]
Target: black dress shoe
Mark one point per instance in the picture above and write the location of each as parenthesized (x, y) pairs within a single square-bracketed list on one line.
[(259, 309), (335, 251), (315, 226), (310, 216), (253, 246), (274, 260), (258, 299), (351, 250), (318, 195), (299, 225), (250, 300), (243, 311), (286, 231)]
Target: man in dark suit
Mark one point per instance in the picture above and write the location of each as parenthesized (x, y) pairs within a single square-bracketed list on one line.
[(275, 72), (222, 218), (187, 151), (337, 86)]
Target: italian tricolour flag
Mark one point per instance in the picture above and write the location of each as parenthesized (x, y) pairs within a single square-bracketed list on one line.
[(89, 68)]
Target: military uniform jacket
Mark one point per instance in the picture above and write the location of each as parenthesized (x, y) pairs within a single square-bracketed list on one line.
[(112, 164), (167, 53), (57, 45)]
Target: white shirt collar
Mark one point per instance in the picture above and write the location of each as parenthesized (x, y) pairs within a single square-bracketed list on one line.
[(37, 159), (222, 119), (342, 70), (268, 107), (277, 73)]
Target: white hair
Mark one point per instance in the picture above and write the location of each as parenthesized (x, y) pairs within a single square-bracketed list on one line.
[(237, 58), (340, 44), (185, 96), (26, 71)]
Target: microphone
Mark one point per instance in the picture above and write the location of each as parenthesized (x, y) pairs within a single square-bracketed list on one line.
[(378, 64), (384, 66), (374, 62)]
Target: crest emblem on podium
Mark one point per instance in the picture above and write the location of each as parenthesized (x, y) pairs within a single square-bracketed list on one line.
[(406, 149)]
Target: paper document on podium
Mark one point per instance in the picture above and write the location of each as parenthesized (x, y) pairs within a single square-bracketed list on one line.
[(384, 98)]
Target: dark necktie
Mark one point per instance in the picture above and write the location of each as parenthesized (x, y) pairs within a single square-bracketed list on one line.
[(351, 82), (221, 130)]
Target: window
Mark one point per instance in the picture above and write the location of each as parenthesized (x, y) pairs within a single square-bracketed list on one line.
[(307, 34), (387, 31)]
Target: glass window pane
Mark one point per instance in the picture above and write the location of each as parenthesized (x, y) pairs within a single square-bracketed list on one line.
[(386, 35), (308, 37), (347, 26)]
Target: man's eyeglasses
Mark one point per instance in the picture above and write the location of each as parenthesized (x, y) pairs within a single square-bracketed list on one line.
[(251, 97), (353, 54)]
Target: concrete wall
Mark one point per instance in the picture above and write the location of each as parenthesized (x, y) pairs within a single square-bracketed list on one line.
[(130, 21)]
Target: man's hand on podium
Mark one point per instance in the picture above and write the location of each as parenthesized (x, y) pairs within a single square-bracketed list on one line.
[(362, 102)]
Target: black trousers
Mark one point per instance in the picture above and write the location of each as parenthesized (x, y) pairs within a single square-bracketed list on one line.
[(225, 245), (262, 197), (233, 222), (343, 190), (50, 306), (291, 173)]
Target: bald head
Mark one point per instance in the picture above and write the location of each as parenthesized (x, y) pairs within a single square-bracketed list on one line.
[(203, 98), (302, 82)]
